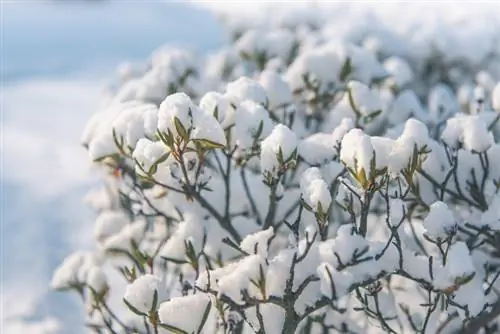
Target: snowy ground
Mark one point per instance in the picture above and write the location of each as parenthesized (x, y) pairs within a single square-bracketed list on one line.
[(56, 56)]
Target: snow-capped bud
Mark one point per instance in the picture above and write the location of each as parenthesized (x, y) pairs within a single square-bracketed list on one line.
[(73, 270), (207, 131), (145, 294), (440, 222), (357, 153), (315, 191), (175, 114), (257, 243), (470, 131), (442, 103), (399, 70), (173, 313), (278, 150), (219, 106), (252, 123), (362, 99), (277, 89), (148, 154), (244, 89), (97, 281), (109, 223)]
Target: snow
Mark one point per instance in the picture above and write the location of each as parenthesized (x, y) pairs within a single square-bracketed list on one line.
[(365, 101), (108, 223), (148, 154), (250, 116), (318, 148), (244, 89), (176, 106), (276, 43), (440, 221), (140, 293), (405, 105), (73, 270), (277, 89), (218, 105), (173, 312), (459, 262), (495, 100), (399, 70), (128, 236), (257, 243), (314, 190), (277, 150), (470, 131), (357, 151), (134, 121), (207, 128), (96, 280)]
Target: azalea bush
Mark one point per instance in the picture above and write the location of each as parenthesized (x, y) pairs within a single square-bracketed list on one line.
[(297, 181)]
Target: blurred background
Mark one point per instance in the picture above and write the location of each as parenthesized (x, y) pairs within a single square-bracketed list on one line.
[(56, 57)]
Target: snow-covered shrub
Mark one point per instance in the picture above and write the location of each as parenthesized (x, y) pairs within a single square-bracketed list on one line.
[(298, 182)]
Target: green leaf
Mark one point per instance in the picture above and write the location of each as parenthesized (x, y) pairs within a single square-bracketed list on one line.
[(154, 167), (181, 130), (352, 103), (173, 329), (133, 309), (259, 130), (205, 317), (216, 112), (346, 69), (371, 117), (155, 301), (168, 259), (208, 144), (281, 159)]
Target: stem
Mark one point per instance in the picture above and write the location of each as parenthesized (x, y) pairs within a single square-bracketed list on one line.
[(271, 211), (365, 210)]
